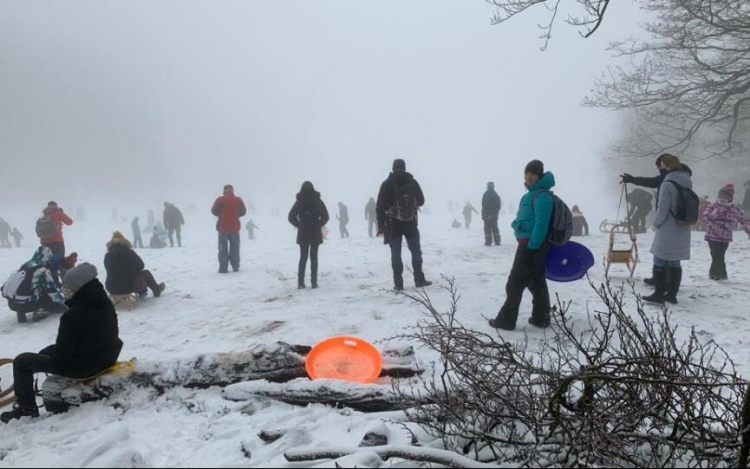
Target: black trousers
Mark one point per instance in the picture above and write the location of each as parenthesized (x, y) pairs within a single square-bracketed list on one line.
[(528, 271), (308, 251), (171, 231), (718, 259), (229, 251), (24, 367), (491, 231), (413, 242)]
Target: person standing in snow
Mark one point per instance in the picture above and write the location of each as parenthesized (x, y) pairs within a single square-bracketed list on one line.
[(55, 241), (371, 215), (251, 227), (343, 218), (397, 207), (468, 208), (309, 215), (491, 206), (4, 233), (721, 216), (671, 243), (87, 343), (173, 221), (531, 227), (229, 209), (17, 237), (137, 240)]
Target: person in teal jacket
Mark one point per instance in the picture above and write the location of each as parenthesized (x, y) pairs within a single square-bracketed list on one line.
[(531, 227)]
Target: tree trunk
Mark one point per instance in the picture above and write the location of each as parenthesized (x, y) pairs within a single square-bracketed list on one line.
[(278, 363)]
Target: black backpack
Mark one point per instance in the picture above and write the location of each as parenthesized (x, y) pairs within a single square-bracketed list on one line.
[(688, 206), (405, 202), (45, 227), (561, 222)]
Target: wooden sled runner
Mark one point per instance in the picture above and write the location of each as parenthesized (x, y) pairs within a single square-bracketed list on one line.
[(125, 302), (6, 397)]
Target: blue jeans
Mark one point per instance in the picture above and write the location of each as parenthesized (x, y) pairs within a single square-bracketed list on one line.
[(229, 251), (666, 264)]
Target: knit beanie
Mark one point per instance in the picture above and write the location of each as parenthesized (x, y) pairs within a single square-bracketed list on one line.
[(727, 193), (535, 167), (399, 165), (79, 276)]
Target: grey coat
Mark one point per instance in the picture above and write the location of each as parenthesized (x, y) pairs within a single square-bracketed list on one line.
[(672, 242)]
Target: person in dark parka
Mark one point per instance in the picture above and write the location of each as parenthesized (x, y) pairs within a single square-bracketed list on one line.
[(173, 221), (126, 272), (580, 225), (394, 230), (491, 206), (87, 341), (308, 214)]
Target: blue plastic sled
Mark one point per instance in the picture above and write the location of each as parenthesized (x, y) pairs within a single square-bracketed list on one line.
[(569, 262)]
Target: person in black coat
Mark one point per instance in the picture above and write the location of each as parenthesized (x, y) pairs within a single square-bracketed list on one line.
[(394, 227), (308, 214), (125, 270), (491, 206), (87, 341), (641, 204)]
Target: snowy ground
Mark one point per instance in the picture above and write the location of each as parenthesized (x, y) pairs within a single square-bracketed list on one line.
[(204, 312)]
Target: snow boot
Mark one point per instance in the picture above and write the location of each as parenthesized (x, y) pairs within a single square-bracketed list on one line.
[(19, 412), (651, 282), (674, 280), (660, 277), (21, 317)]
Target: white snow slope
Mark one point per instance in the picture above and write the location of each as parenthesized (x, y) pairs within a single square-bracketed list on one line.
[(204, 312)]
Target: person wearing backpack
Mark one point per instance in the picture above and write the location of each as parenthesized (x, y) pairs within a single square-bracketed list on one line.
[(671, 243), (33, 289), (229, 209), (308, 214), (49, 228), (491, 206), (87, 342), (720, 217), (531, 228), (398, 202)]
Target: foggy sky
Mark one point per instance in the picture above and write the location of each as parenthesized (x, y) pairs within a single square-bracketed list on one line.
[(113, 102)]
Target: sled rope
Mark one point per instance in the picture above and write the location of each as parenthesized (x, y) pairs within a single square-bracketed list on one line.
[(5, 396)]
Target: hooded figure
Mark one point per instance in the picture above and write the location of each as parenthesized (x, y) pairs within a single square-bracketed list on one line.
[(491, 206), (87, 341), (125, 270), (33, 289), (309, 215), (721, 217), (397, 209)]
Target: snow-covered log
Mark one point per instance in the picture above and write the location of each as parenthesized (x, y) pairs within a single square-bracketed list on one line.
[(361, 397), (410, 453), (276, 363)]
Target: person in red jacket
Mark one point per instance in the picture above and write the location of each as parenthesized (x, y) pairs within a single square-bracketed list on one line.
[(56, 243), (229, 208)]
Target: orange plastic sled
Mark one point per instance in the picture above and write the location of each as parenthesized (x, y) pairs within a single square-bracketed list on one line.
[(345, 358)]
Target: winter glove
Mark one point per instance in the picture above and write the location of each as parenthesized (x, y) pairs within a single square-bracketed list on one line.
[(627, 178)]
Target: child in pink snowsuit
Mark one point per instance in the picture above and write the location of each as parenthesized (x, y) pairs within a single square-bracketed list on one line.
[(721, 216)]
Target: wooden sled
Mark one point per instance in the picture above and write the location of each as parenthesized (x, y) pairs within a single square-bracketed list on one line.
[(125, 302), (629, 257), (6, 397)]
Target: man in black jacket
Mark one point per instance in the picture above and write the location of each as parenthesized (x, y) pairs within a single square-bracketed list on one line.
[(173, 221), (87, 341), (491, 206), (399, 200)]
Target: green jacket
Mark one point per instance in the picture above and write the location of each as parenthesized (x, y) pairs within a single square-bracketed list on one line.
[(533, 218)]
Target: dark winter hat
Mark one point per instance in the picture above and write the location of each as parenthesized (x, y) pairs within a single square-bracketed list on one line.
[(727, 192), (399, 165), (79, 276), (535, 167), (307, 186), (491, 185), (52, 204)]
